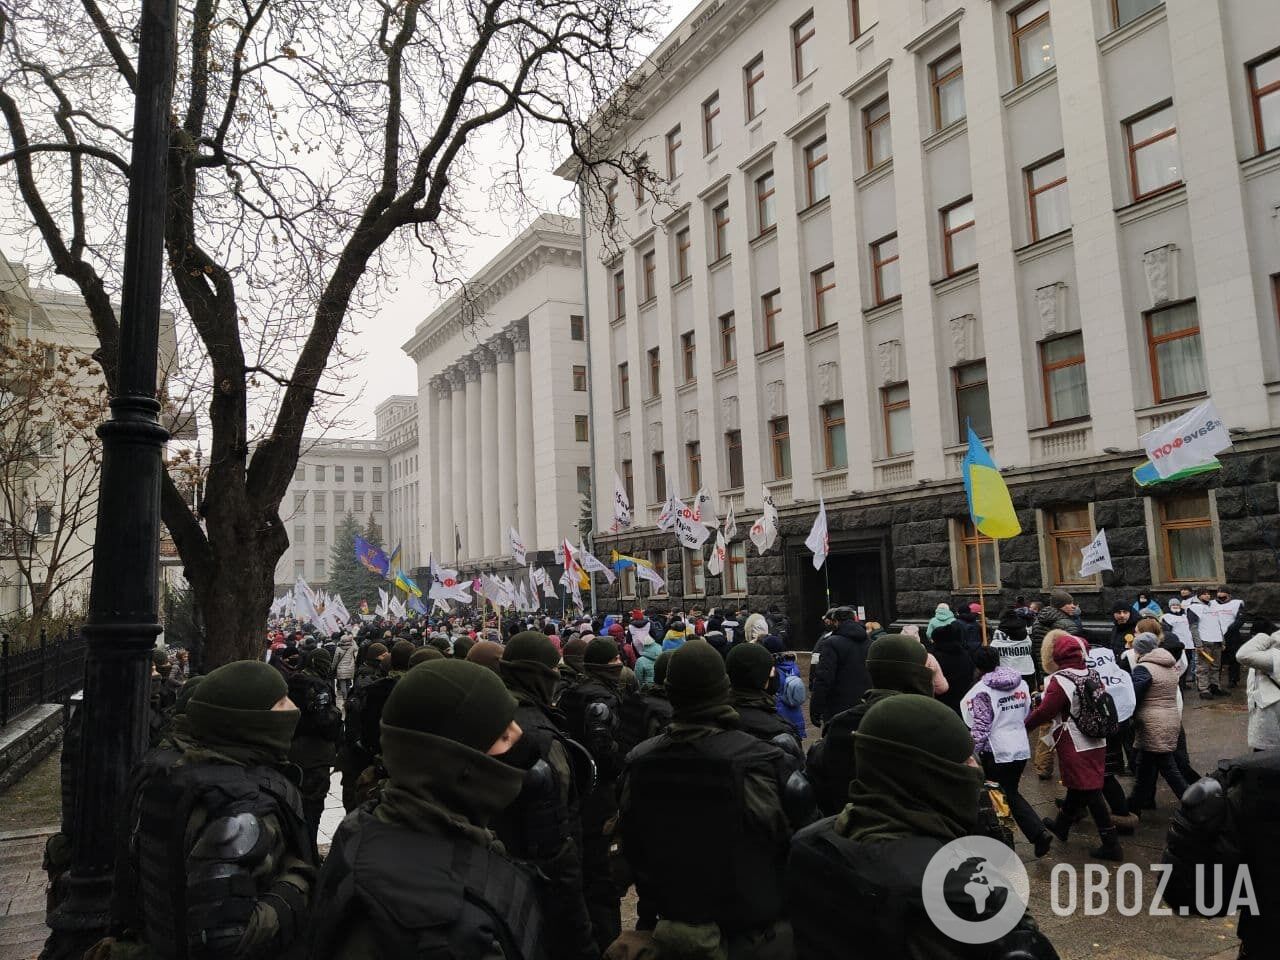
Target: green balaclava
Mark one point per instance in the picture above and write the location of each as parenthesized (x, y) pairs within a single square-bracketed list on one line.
[(529, 667), (185, 694), (660, 668), (896, 661), (320, 663), (597, 661), (461, 647), (437, 726), (913, 774), (749, 666), (230, 713), (401, 651), (425, 654), (373, 651), (574, 652), (698, 686)]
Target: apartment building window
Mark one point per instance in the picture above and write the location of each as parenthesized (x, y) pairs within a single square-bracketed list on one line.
[(855, 19), (299, 569), (693, 463), (300, 502), (318, 535), (1032, 40), (835, 452), (320, 473), (319, 565), (1066, 391), (628, 481), (766, 206), (876, 133), (377, 503), (770, 308), (1047, 197), (339, 503), (659, 476), (1186, 538), (45, 441), (584, 481), (687, 356), (959, 241), (803, 46), (1068, 530), (946, 80), (611, 199), (682, 254), (1174, 350), (978, 561), (319, 502), (884, 269), (649, 268), (720, 230), (624, 387), (1264, 89), (780, 447), (357, 502), (824, 281), (377, 474), (642, 171), (619, 295), (973, 403), (675, 154), (733, 451), (655, 371), (299, 534), (711, 123), (339, 474), (658, 558), (579, 378), (815, 165), (44, 520), (577, 327), (735, 568), (752, 74), (581, 432), (895, 406), (1154, 161), (1126, 10), (300, 472), (728, 340), (358, 474), (695, 584)]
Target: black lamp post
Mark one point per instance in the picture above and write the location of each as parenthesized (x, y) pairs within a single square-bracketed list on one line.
[(123, 620)]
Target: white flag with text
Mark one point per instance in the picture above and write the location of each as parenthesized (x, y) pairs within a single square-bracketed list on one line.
[(765, 530), (1189, 441), (715, 563), (1096, 557), (517, 546)]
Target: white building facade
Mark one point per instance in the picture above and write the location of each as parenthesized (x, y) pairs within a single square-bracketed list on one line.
[(397, 426), (1053, 219)]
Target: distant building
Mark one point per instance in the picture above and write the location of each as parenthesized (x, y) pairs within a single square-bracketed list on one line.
[(397, 426)]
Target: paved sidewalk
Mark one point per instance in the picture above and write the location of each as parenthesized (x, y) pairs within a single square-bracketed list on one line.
[(22, 888)]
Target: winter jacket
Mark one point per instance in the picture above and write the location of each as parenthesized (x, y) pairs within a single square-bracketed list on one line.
[(644, 663), (1262, 656), (957, 665), (344, 662), (971, 628), (1121, 632), (1051, 618), (756, 626), (983, 710), (1082, 766), (1159, 715), (840, 677), (791, 692), (674, 640)]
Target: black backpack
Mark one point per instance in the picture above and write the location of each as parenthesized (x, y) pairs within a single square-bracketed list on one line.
[(643, 716), (1092, 708), (593, 717)]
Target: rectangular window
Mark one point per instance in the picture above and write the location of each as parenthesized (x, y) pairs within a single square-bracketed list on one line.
[(584, 481), (320, 472), (358, 474), (895, 404), (319, 502), (687, 356), (695, 584), (577, 327), (728, 340), (611, 200), (876, 133), (377, 503), (1264, 89), (1186, 538), (803, 46), (299, 569), (733, 451), (752, 74), (624, 387), (318, 535), (357, 502), (884, 269), (628, 481), (627, 582), (711, 123), (377, 474), (46, 440), (780, 447), (682, 254), (579, 378), (1047, 197), (1066, 391), (720, 230), (693, 461), (300, 502), (946, 80), (655, 372), (659, 560), (1173, 347), (659, 476), (855, 19), (766, 207), (735, 568), (299, 534), (824, 281), (1126, 10), (815, 165), (1032, 40), (973, 404), (339, 474), (675, 155), (300, 473), (642, 171), (835, 453), (339, 503), (619, 295), (770, 308), (319, 565), (1154, 160), (649, 267), (581, 432), (959, 243), (44, 520), (1067, 531), (979, 565)]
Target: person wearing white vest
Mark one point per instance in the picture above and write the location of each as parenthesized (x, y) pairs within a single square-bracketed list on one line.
[(1178, 622), (1102, 658), (996, 709), (1208, 674)]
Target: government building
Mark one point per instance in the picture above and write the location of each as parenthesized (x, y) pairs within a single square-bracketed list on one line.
[(871, 223)]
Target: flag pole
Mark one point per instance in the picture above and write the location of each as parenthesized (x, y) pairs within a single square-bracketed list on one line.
[(982, 605)]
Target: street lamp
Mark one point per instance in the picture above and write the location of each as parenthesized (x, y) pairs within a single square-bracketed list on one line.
[(123, 620)]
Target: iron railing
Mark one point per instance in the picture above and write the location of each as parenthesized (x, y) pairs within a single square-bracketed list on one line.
[(48, 672)]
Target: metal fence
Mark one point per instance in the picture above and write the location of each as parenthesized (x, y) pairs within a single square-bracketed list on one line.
[(48, 672)]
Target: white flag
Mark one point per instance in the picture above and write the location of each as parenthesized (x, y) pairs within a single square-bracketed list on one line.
[(1096, 557), (445, 584), (621, 505), (704, 510), (304, 602), (765, 530), (494, 590), (715, 563), (397, 608), (646, 572), (817, 539), (548, 585), (382, 609), (730, 526), (691, 532), (517, 546), (592, 565), (667, 518), (1189, 441)]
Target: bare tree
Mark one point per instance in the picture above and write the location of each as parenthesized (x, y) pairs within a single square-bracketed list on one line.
[(312, 145)]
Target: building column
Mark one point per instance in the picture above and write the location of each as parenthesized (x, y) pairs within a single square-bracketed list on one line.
[(489, 449), (441, 495), (458, 434), (526, 500), (505, 354), (473, 543)]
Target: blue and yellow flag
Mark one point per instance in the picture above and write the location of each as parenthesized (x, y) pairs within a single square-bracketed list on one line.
[(371, 557), (989, 503), (402, 581), (620, 561), (393, 561)]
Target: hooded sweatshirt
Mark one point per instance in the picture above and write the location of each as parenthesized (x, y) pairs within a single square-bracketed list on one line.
[(649, 653)]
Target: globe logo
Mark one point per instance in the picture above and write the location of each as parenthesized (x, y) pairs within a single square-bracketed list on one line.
[(975, 890)]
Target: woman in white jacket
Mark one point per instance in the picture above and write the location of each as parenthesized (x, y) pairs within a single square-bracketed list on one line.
[(1262, 656)]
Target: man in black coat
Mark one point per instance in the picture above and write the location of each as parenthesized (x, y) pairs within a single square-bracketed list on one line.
[(840, 677)]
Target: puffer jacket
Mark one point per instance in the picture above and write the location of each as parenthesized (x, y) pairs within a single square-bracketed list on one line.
[(649, 653), (344, 661), (1159, 717), (791, 692), (1262, 656)]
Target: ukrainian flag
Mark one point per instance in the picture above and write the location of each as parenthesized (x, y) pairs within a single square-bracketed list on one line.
[(989, 502), (408, 586), (393, 561), (620, 562)]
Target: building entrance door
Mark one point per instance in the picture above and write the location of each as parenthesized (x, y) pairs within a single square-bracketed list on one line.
[(857, 570)]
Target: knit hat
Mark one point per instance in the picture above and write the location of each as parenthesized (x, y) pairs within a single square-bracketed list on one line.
[(1060, 598), (486, 653), (1068, 652), (660, 667), (601, 650), (374, 651), (575, 649), (897, 662), (425, 654), (461, 647), (186, 693), (617, 631), (749, 666), (531, 645), (159, 656), (320, 662), (1144, 643), (400, 654), (773, 643), (454, 699), (696, 676), (230, 711)]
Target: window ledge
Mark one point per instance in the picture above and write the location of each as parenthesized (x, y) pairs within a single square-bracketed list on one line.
[(946, 134), (768, 352), (815, 208), (761, 239), (956, 281), (689, 386), (618, 321), (653, 401), (681, 284), (764, 153), (649, 304), (873, 75), (712, 155), (756, 122), (1029, 88), (1167, 199), (719, 262), (804, 84), (809, 119), (1132, 29), (823, 333), (1261, 164), (1044, 246), (725, 371), (934, 31), (622, 411), (1065, 426), (882, 310), (875, 174)]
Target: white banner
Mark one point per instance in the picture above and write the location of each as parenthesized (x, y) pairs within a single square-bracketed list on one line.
[(715, 563), (621, 505), (1188, 441), (445, 584), (817, 541), (517, 546), (592, 565), (690, 531), (730, 526), (704, 510), (1096, 557), (765, 530), (382, 609), (646, 572), (667, 518)]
